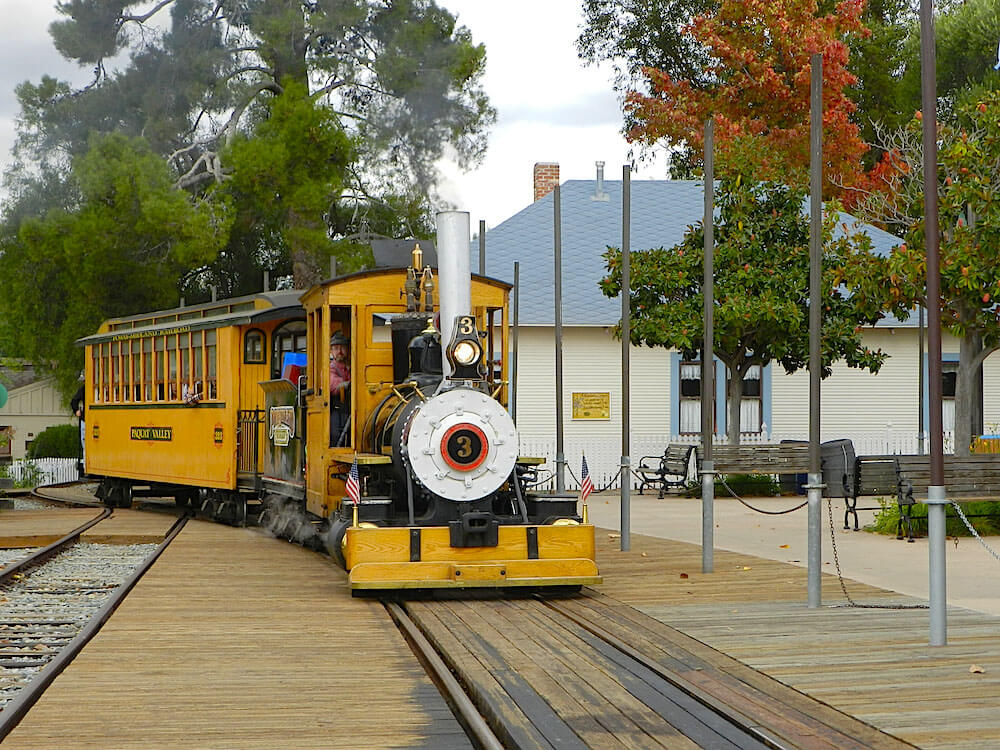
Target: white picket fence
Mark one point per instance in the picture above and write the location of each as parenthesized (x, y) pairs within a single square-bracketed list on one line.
[(604, 454), (51, 470)]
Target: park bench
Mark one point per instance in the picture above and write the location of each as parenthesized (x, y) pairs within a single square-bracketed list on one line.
[(966, 479), (665, 472)]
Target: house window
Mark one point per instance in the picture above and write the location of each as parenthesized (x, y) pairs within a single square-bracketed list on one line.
[(750, 406), (690, 398), (949, 379)]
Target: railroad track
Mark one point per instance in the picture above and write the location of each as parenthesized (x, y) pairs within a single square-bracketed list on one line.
[(587, 672), (521, 708), (53, 601)]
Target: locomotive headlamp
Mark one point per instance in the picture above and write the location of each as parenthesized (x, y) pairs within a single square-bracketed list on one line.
[(466, 352)]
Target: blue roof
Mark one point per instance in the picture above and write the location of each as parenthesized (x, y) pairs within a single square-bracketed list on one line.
[(662, 210)]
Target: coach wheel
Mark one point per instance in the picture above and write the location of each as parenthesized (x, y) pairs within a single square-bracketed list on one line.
[(118, 495)]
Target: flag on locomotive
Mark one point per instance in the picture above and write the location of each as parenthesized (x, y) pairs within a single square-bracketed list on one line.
[(586, 483), (353, 484)]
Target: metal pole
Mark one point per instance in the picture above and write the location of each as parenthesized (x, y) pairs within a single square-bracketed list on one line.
[(513, 364), (557, 271), (921, 382), (815, 485), (626, 471), (482, 247), (935, 490), (708, 361)]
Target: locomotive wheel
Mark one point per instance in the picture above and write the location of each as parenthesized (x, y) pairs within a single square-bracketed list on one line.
[(334, 538)]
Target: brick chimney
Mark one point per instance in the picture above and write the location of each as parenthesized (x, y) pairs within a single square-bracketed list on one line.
[(546, 178)]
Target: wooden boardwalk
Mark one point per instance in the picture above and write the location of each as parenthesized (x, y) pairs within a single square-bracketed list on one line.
[(874, 664), (38, 528), (234, 640)]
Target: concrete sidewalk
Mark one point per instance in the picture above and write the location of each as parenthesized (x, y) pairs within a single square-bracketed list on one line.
[(973, 573)]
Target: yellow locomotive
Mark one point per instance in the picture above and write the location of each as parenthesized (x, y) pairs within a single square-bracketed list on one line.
[(402, 453)]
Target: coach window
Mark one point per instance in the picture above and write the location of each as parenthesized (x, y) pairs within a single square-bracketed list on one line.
[(159, 368), (288, 337), (212, 390), (172, 368), (253, 347), (198, 364), (136, 370), (147, 369), (115, 371)]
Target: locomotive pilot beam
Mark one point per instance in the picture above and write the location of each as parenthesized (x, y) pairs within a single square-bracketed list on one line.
[(253, 407)]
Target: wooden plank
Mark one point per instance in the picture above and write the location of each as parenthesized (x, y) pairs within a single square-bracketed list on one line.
[(872, 664), (237, 640)]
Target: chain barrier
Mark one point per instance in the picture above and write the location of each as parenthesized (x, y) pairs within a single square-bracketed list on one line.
[(606, 487), (759, 510), (973, 531), (840, 576)]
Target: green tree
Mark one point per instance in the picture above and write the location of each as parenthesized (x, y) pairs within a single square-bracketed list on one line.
[(761, 289), (121, 249), (402, 80), (284, 177), (968, 181)]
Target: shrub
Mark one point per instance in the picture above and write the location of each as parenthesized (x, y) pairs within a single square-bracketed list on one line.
[(984, 517), (58, 441)]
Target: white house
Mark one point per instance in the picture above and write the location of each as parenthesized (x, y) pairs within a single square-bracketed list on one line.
[(879, 412), (33, 404)]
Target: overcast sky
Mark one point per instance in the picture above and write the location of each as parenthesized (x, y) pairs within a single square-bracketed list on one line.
[(550, 108)]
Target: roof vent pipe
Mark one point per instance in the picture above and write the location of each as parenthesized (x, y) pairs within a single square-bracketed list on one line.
[(599, 194)]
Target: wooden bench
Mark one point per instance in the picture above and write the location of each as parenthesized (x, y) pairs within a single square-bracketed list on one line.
[(966, 479), (666, 472), (788, 458)]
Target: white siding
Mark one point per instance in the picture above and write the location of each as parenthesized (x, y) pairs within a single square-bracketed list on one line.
[(591, 363)]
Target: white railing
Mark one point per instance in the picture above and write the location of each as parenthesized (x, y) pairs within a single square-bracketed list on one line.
[(49, 470), (604, 454)]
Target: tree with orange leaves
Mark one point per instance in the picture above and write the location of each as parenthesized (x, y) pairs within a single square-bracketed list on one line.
[(760, 54)]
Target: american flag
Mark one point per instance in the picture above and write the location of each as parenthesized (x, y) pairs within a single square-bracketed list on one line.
[(353, 486), (586, 484)]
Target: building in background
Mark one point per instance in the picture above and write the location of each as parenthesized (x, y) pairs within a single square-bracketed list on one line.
[(879, 412), (33, 404)]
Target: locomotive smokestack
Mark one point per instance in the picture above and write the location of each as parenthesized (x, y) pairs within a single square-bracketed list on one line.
[(455, 278)]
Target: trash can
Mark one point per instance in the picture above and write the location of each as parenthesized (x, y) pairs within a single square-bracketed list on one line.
[(839, 468), (793, 484)]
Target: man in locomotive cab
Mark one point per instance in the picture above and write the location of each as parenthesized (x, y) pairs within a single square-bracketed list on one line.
[(340, 384)]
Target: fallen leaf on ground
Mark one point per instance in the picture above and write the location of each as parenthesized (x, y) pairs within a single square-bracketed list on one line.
[(976, 669), (746, 567), (614, 536), (684, 575), (644, 554), (784, 546)]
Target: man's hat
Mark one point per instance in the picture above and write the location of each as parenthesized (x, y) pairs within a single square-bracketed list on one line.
[(339, 339)]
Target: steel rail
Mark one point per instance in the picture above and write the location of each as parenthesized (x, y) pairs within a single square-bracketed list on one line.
[(57, 546), (740, 721), (466, 712), (15, 710)]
